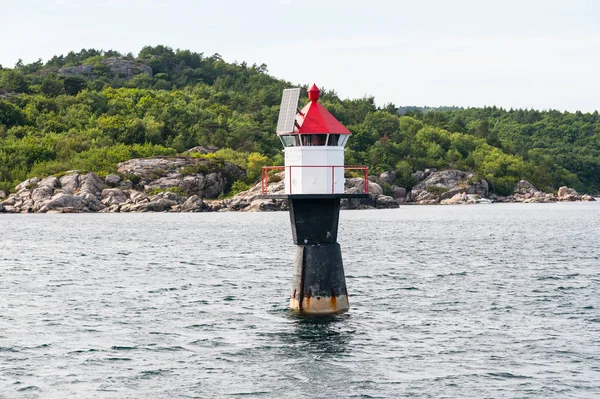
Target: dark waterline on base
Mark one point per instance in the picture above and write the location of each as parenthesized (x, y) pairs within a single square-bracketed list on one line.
[(456, 301)]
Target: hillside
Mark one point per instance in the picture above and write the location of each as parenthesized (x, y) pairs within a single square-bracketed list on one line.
[(92, 109)]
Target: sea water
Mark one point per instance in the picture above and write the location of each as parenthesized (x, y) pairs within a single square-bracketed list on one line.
[(497, 301)]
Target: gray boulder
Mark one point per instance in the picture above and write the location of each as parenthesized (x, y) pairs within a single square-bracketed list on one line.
[(64, 203), (424, 197), (11, 200), (27, 184), (359, 183), (385, 202), (215, 184), (419, 175), (41, 196), (138, 197), (113, 196), (163, 202), (398, 193), (387, 177), (524, 187), (567, 194), (112, 180), (70, 182), (156, 206), (173, 198), (90, 184), (42, 193), (458, 198), (49, 181), (194, 204), (91, 202), (82, 70), (264, 205)]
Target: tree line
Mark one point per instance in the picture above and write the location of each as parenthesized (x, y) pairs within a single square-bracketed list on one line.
[(51, 122)]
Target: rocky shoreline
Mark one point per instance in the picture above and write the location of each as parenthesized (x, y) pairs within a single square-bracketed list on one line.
[(187, 184)]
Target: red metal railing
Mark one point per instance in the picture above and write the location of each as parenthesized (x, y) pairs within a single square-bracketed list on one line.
[(266, 169)]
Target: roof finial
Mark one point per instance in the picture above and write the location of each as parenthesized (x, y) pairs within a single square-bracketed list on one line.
[(313, 93)]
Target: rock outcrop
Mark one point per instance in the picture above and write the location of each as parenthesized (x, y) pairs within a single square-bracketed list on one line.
[(461, 198), (201, 149), (185, 184), (163, 177), (70, 193), (526, 192), (191, 176), (117, 67), (439, 186), (568, 194), (249, 200), (356, 185)]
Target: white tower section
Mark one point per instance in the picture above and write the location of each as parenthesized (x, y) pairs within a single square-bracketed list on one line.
[(314, 170)]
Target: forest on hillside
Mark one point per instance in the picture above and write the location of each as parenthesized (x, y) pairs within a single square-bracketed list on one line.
[(79, 111)]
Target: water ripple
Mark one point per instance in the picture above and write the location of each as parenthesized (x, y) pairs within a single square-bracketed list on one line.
[(497, 301)]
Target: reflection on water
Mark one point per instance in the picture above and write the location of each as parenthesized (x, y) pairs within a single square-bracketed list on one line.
[(325, 336), (321, 349)]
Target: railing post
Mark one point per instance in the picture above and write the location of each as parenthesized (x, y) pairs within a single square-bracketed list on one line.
[(267, 182), (332, 180)]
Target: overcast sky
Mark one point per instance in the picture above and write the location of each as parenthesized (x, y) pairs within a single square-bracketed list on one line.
[(520, 54)]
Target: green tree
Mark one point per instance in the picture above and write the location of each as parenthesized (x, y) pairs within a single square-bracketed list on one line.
[(10, 114), (74, 84), (52, 85), (14, 80)]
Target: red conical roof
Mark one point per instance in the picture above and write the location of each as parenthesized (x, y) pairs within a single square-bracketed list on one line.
[(315, 119)]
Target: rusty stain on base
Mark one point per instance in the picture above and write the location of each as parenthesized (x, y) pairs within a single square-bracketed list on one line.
[(321, 305)]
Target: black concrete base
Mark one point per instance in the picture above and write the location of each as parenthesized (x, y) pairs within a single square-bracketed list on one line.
[(319, 285), (314, 220)]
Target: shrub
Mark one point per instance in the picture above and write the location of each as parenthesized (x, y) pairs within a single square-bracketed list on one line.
[(204, 167), (174, 190), (275, 176), (436, 190), (387, 189), (404, 176), (134, 179), (238, 186)]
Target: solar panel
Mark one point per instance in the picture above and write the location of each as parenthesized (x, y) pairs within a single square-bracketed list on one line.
[(287, 112)]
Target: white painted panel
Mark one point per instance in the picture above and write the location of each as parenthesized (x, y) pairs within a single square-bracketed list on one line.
[(309, 170)]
